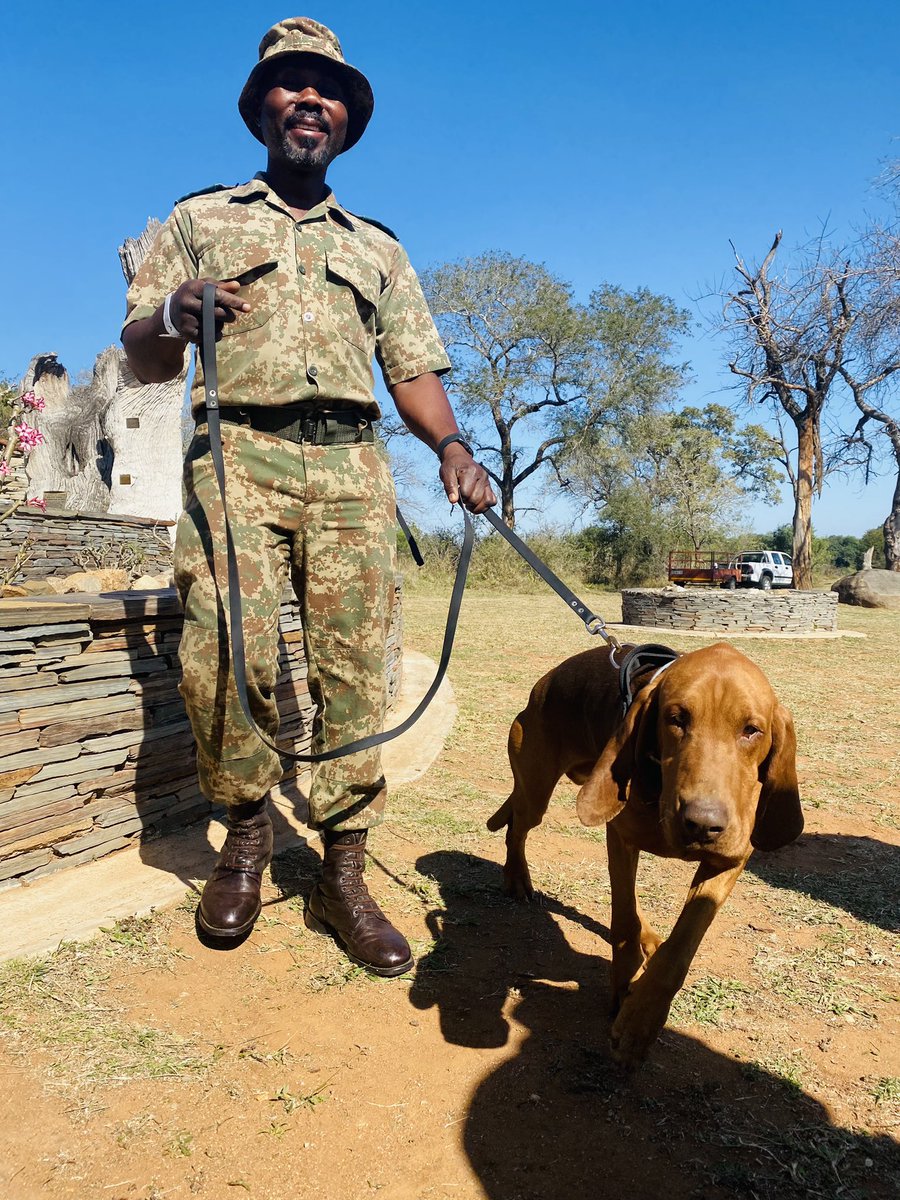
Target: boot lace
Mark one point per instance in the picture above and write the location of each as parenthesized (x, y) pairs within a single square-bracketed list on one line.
[(241, 851), (351, 884)]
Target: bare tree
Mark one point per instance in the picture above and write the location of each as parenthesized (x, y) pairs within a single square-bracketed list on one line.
[(871, 372), (112, 443), (74, 457), (791, 333), (890, 427)]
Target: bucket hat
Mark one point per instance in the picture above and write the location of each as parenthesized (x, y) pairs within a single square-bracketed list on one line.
[(302, 35)]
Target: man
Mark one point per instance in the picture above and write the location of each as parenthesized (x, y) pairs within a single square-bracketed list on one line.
[(308, 490)]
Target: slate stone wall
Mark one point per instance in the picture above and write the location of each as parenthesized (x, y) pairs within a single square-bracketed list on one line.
[(740, 611), (60, 542), (96, 751)]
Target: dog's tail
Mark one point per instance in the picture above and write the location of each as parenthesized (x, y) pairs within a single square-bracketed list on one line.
[(501, 817)]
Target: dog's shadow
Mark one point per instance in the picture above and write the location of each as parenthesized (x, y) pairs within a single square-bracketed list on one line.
[(486, 948), (558, 1118)]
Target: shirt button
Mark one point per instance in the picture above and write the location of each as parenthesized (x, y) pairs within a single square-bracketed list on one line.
[(312, 371), (308, 316), (302, 269)]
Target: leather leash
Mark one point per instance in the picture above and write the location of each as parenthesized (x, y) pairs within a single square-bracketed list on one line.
[(592, 622)]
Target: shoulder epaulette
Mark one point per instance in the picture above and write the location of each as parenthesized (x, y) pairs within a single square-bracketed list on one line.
[(377, 224), (216, 187)]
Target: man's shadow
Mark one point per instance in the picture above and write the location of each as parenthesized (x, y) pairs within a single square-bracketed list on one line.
[(857, 874), (559, 1118)]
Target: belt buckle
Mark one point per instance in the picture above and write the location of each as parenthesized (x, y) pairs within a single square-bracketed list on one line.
[(308, 429)]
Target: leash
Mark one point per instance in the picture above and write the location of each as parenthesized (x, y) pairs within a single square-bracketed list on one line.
[(235, 608), (592, 622)]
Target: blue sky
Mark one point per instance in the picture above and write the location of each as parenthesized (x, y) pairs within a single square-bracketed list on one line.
[(614, 142)]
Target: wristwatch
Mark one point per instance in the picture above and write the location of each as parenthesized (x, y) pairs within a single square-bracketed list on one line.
[(453, 437)]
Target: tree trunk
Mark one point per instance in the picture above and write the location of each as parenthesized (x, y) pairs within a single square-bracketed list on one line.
[(142, 423), (74, 458), (803, 494), (114, 445), (891, 529)]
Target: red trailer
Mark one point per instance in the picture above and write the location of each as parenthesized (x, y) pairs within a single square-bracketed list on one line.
[(709, 567)]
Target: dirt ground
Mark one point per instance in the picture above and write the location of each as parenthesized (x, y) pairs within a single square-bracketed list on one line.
[(145, 1065)]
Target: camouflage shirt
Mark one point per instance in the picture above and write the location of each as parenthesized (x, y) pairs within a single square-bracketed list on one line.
[(344, 291)]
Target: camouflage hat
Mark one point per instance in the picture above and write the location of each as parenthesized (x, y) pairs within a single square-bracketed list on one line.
[(302, 35)]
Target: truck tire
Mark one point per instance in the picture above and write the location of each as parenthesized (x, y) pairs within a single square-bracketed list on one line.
[(730, 584), (765, 583)]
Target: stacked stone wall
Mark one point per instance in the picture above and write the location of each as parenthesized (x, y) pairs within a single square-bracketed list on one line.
[(61, 542), (740, 611), (96, 752)]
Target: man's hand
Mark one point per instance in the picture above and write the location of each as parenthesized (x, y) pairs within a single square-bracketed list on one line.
[(153, 355), (425, 409), (186, 306), (466, 481)]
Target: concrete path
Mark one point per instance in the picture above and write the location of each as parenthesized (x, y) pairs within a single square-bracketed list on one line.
[(74, 904)]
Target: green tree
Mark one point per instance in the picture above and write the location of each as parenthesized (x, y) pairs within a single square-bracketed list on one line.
[(661, 480), (9, 393), (533, 369)]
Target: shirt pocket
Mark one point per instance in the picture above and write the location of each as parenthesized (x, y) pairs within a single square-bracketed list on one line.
[(227, 262), (353, 288)]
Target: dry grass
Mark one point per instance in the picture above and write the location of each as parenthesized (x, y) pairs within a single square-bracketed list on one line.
[(779, 1001)]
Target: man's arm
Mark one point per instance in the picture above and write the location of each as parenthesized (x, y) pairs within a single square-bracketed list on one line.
[(425, 410), (155, 357)]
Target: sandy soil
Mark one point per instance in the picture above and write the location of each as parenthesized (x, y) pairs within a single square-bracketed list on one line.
[(146, 1065)]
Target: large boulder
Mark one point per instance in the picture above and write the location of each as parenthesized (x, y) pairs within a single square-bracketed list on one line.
[(870, 589)]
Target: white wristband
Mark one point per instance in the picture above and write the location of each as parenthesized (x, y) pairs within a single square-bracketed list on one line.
[(171, 331)]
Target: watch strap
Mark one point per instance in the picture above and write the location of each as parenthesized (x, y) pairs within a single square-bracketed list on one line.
[(448, 440)]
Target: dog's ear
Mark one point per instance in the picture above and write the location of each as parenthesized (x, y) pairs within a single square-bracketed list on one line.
[(779, 818), (604, 793)]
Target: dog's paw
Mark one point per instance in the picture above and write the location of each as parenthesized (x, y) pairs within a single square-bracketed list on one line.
[(518, 886), (638, 1025)]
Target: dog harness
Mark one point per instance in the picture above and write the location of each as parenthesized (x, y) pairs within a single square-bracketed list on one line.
[(637, 661)]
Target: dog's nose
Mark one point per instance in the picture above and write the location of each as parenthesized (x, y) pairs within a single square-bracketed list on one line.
[(703, 820)]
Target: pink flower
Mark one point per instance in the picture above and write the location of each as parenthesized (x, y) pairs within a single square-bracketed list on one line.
[(4, 468), (28, 437), (36, 503), (33, 403)]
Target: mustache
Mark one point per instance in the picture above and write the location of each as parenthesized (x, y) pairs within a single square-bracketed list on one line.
[(308, 117)]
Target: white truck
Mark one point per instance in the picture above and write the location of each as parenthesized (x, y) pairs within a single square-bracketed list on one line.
[(765, 569)]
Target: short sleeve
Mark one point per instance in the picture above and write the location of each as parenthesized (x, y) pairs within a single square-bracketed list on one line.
[(407, 342), (168, 264)]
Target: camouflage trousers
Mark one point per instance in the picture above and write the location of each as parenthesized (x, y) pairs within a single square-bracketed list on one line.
[(326, 516)]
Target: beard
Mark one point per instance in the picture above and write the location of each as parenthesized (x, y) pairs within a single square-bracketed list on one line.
[(307, 152)]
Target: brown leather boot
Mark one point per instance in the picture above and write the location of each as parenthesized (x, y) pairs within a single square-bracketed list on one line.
[(230, 902), (340, 906)]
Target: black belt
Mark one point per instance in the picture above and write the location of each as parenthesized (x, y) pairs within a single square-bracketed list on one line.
[(300, 423)]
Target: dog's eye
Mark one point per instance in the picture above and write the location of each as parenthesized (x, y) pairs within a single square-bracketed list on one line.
[(750, 732), (678, 719)]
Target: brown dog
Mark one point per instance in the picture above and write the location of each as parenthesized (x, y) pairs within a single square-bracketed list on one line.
[(701, 768)]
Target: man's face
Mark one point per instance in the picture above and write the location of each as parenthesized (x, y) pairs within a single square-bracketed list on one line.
[(304, 116)]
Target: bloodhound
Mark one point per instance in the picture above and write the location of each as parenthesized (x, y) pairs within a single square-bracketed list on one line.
[(701, 768)]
